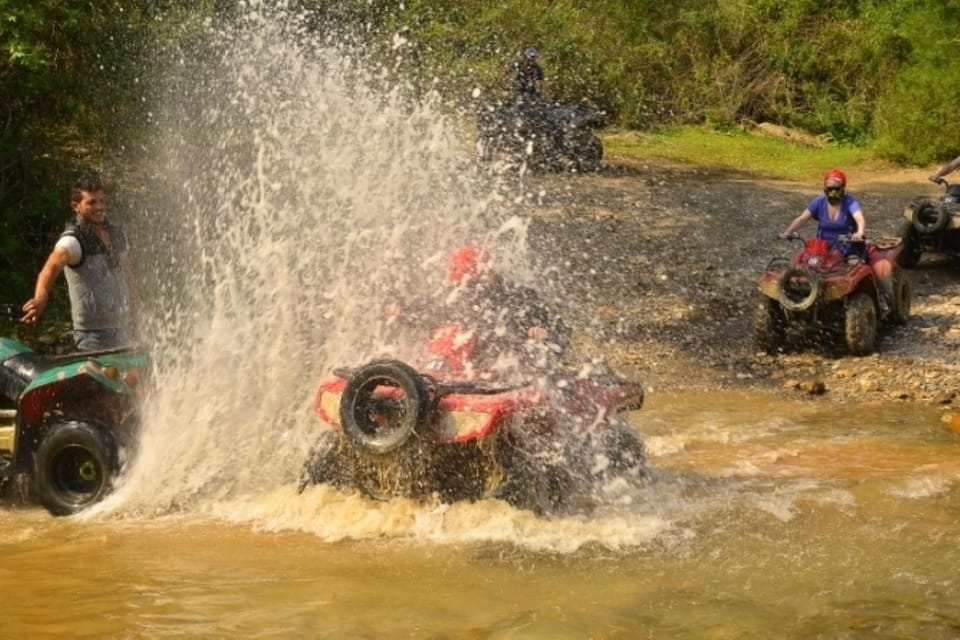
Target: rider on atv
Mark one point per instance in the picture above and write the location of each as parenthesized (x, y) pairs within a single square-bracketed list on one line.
[(528, 78), (510, 320), (839, 214)]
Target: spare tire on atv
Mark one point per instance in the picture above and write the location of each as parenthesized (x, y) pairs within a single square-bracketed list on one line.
[(799, 288), (930, 218), (383, 405)]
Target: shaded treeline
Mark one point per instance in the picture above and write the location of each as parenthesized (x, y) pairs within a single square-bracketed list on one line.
[(75, 83)]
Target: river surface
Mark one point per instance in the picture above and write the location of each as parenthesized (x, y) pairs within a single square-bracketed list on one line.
[(765, 518)]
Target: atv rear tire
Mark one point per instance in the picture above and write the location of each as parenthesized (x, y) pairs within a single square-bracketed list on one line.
[(769, 324), (378, 423), (860, 324), (911, 251), (75, 466)]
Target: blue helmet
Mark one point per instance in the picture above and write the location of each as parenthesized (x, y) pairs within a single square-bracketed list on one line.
[(530, 53)]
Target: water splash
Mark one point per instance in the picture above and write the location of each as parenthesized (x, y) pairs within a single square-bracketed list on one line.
[(303, 191)]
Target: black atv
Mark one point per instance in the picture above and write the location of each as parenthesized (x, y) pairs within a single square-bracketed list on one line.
[(931, 225), (540, 136)]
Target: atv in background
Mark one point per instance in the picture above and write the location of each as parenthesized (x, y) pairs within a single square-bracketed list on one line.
[(931, 225), (541, 136), (448, 430), (67, 421), (819, 291)]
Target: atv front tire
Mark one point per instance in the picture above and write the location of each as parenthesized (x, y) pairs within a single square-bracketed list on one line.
[(860, 324), (769, 324)]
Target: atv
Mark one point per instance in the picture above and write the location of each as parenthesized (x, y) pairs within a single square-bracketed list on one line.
[(447, 430), (541, 136), (931, 225), (66, 421), (819, 290)]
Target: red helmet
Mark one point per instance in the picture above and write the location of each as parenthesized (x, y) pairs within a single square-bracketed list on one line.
[(836, 174), (469, 260)]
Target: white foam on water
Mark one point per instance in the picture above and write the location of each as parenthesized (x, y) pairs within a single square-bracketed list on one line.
[(332, 516)]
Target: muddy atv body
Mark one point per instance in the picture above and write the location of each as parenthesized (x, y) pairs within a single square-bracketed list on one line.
[(540, 136), (819, 291), (931, 225), (67, 421), (438, 432)]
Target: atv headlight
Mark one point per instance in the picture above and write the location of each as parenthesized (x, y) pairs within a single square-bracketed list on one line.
[(814, 261), (460, 423)]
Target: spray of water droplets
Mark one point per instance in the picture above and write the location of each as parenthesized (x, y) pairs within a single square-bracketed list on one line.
[(299, 189)]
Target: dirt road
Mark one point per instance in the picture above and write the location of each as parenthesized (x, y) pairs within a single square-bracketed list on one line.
[(658, 264)]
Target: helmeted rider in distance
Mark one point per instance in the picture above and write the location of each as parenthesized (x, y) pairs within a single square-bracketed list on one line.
[(528, 78), (839, 213)]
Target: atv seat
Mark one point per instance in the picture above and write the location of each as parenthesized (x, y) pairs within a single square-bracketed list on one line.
[(17, 372)]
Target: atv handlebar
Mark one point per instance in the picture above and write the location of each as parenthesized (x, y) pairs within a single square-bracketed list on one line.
[(841, 238)]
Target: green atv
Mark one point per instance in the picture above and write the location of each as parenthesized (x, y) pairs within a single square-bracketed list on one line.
[(68, 421)]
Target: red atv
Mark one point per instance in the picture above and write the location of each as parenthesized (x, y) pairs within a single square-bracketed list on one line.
[(461, 434), (819, 290)]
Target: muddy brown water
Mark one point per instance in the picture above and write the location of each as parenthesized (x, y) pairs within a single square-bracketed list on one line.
[(765, 518)]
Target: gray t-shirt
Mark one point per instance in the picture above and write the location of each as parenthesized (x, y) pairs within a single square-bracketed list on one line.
[(99, 297)]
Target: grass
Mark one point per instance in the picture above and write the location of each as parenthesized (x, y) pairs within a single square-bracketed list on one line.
[(742, 150)]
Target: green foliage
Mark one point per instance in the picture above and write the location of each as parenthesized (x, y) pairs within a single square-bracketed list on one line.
[(914, 117), (75, 77), (732, 148)]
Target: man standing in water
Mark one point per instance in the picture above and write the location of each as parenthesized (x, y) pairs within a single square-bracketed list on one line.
[(93, 253)]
